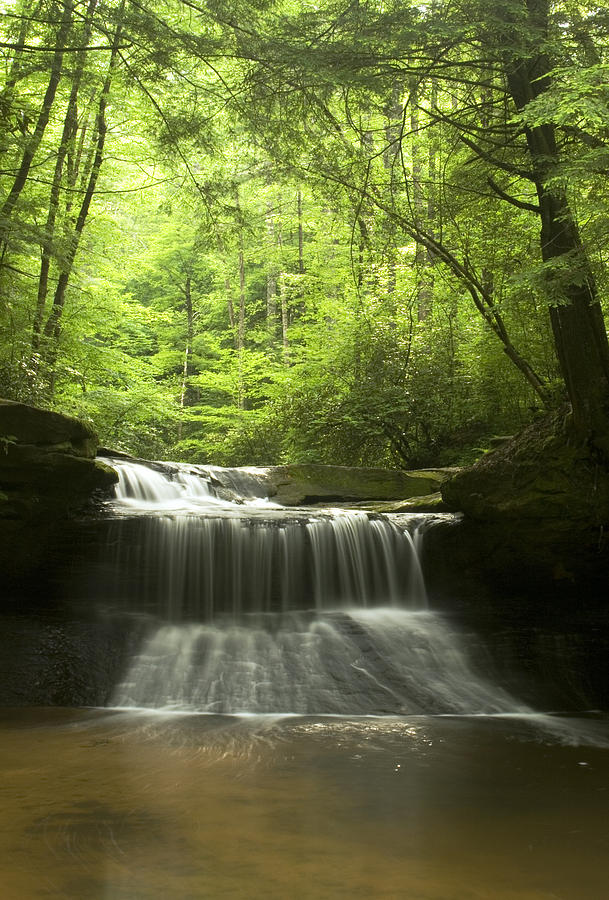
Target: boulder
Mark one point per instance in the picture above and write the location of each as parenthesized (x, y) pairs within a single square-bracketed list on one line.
[(426, 503), (304, 484), (47, 473), (298, 484), (24, 424), (537, 508)]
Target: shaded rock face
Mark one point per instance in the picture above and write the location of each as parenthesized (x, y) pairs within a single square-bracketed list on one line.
[(536, 509), (23, 424), (61, 660), (47, 472)]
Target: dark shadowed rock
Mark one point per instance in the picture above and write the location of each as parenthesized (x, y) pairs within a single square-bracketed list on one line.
[(47, 472), (537, 507), (24, 424)]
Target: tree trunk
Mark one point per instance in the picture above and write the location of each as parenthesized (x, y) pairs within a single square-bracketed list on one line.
[(187, 290), (67, 138), (14, 74), (301, 267), (241, 328), (417, 201), (283, 305), (577, 321), (241, 323), (271, 277), (33, 143), (230, 307), (284, 319), (432, 207), (53, 324)]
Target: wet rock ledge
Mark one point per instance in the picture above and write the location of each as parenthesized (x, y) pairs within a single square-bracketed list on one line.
[(47, 473), (382, 490)]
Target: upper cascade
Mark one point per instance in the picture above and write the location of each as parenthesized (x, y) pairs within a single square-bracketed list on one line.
[(140, 484), (196, 555), (179, 485)]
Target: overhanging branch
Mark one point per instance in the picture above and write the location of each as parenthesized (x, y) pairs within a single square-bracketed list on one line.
[(520, 204)]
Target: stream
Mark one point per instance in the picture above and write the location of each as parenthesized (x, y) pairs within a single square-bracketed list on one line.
[(291, 718)]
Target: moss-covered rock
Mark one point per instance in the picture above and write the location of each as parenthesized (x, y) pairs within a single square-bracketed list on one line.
[(426, 503), (47, 472), (537, 507), (24, 424), (298, 484)]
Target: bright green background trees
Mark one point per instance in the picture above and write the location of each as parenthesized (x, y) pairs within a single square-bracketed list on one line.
[(252, 234)]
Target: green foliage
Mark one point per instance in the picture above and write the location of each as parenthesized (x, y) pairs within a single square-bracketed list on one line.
[(301, 246)]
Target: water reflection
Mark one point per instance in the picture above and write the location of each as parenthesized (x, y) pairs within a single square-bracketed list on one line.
[(122, 806)]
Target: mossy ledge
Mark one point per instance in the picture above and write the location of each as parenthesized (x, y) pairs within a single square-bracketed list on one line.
[(536, 510), (47, 473), (297, 484)]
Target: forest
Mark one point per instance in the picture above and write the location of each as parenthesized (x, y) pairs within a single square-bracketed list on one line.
[(304, 449), (358, 233)]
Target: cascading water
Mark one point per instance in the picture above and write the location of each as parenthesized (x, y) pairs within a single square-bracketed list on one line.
[(194, 556), (249, 608)]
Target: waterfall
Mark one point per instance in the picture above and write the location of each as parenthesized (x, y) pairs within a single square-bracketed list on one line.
[(194, 556), (249, 608), (375, 661), (141, 486)]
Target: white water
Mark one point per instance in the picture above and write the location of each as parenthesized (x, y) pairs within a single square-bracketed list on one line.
[(361, 662), (143, 488), (178, 487), (259, 610), (193, 555)]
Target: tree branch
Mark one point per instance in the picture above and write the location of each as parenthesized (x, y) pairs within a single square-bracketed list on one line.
[(520, 204), (33, 48), (487, 157)]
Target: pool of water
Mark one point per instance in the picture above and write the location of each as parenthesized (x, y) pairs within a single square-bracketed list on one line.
[(127, 805)]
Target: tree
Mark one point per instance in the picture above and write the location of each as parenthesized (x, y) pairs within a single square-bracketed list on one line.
[(575, 312), (293, 214), (484, 53), (64, 15)]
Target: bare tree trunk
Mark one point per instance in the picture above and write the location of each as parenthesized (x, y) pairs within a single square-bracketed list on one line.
[(53, 324), (66, 141)]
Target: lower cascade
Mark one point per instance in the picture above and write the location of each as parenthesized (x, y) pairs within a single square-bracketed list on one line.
[(244, 607)]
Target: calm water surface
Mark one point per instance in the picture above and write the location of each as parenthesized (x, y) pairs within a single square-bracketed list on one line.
[(125, 805)]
